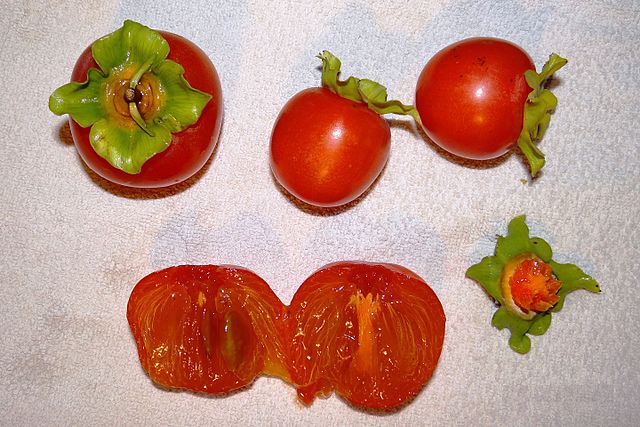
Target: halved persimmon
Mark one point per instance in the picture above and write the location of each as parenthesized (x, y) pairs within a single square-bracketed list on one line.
[(371, 332), (209, 329)]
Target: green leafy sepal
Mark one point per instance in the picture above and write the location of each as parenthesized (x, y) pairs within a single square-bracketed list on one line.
[(132, 56), (488, 273), (361, 90), (537, 112)]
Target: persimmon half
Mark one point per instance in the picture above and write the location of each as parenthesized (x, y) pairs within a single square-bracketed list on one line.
[(371, 332), (210, 329)]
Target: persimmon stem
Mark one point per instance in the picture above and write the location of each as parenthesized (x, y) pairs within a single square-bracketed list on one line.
[(137, 117), (131, 94), (371, 93), (136, 77)]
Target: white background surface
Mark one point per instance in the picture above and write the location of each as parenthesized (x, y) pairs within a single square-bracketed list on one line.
[(73, 246)]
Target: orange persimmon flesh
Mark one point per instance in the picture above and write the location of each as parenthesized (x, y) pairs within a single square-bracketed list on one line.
[(533, 286)]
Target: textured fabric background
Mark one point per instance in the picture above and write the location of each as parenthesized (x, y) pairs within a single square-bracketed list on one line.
[(73, 245)]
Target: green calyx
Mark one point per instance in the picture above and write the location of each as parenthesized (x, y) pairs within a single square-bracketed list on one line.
[(488, 273), (537, 112), (361, 90), (134, 101)]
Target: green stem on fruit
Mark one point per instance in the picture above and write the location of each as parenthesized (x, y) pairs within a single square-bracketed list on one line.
[(138, 75), (131, 97), (137, 117), (361, 90), (537, 112)]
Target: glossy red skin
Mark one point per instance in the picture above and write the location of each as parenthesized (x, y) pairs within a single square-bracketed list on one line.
[(471, 97), (177, 317), (327, 150), (403, 343), (189, 149)]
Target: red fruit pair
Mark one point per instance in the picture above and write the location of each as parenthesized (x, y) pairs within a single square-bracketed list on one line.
[(371, 332)]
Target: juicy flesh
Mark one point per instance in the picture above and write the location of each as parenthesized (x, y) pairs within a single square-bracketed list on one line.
[(533, 286), (366, 309)]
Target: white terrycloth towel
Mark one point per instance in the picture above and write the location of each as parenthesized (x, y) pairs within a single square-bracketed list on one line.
[(73, 245)]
